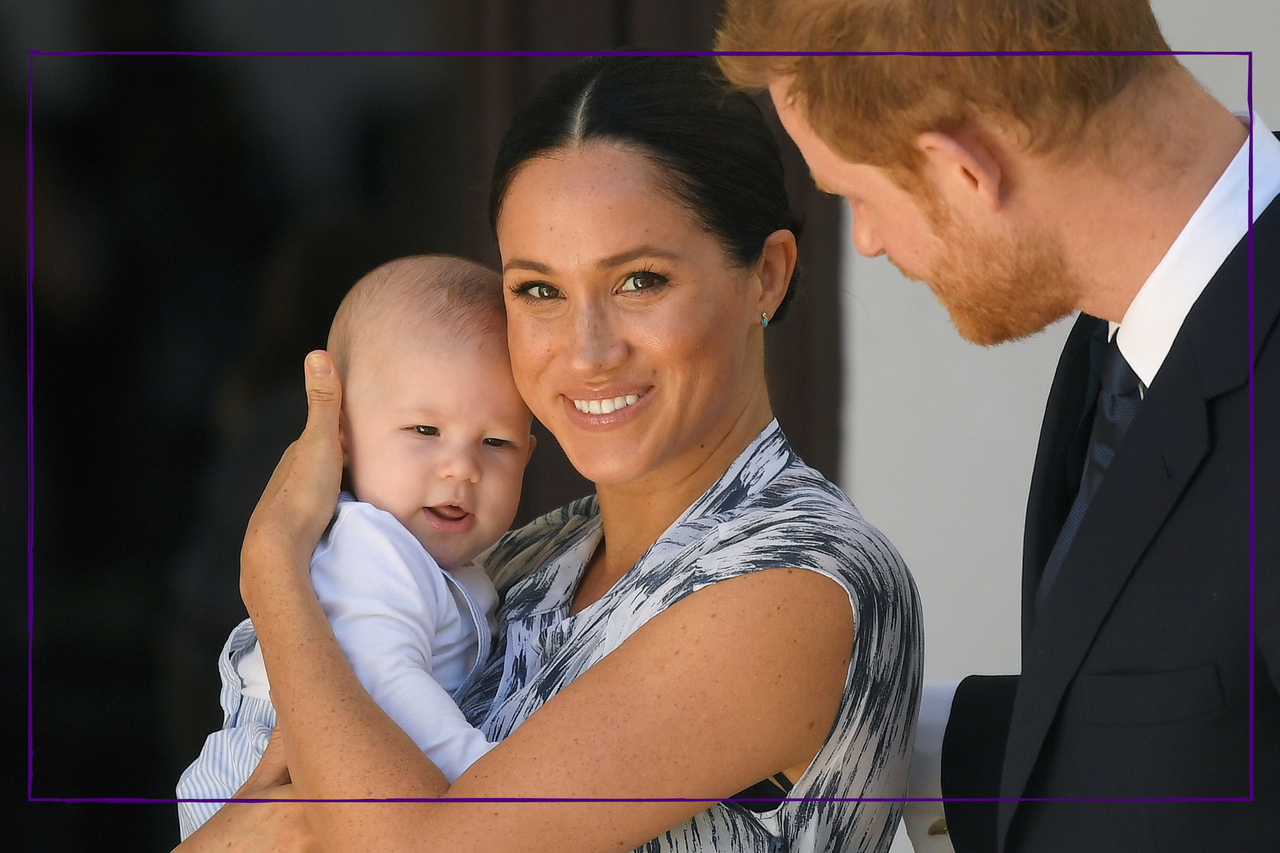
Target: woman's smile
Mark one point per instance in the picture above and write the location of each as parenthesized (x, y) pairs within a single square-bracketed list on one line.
[(607, 405)]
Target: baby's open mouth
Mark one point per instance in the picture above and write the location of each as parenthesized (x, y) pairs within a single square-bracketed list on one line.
[(449, 512)]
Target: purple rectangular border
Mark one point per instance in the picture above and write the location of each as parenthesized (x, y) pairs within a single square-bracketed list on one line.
[(529, 53)]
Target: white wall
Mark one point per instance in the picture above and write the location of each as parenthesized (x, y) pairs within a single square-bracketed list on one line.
[(940, 435)]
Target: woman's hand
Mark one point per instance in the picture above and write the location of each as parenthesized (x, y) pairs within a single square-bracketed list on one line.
[(300, 498), (258, 827)]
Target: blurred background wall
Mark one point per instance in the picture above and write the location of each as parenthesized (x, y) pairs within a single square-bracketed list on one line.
[(197, 219)]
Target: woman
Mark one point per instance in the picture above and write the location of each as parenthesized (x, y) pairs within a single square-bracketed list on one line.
[(716, 619)]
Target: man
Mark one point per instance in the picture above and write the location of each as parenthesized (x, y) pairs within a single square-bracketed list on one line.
[(1021, 189)]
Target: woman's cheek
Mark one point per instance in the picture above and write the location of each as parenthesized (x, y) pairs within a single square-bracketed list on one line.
[(532, 350)]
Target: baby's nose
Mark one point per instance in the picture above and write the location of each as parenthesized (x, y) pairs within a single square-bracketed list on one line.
[(460, 463)]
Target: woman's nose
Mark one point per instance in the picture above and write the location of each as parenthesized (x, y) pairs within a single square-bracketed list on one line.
[(596, 347), (459, 463)]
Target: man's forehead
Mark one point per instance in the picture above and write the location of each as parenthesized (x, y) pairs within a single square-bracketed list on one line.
[(823, 161)]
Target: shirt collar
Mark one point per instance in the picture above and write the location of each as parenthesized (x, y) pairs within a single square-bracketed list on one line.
[(1160, 306)]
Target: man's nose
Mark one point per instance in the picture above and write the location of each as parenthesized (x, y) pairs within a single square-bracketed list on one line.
[(866, 237)]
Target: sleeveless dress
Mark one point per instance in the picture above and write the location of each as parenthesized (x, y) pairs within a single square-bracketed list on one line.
[(767, 510)]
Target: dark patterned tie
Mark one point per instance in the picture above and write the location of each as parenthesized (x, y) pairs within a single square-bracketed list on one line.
[(1118, 400)]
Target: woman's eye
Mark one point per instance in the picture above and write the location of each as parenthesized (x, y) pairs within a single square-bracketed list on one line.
[(536, 290), (496, 442), (642, 281), (422, 429)]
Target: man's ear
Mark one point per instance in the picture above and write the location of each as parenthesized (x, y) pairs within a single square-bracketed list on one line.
[(964, 163), (774, 270)]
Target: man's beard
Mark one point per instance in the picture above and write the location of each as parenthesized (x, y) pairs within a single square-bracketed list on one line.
[(999, 290)]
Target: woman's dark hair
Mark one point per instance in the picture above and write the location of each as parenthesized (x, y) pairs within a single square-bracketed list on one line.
[(709, 140)]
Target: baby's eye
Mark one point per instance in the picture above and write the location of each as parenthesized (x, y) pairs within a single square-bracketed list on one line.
[(423, 429), (536, 290), (496, 442), (643, 280)]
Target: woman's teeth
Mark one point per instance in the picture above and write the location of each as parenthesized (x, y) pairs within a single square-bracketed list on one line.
[(604, 407)]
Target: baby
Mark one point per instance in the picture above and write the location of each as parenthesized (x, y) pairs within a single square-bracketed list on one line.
[(435, 439)]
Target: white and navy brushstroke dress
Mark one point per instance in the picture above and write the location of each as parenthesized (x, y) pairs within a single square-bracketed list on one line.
[(767, 510)]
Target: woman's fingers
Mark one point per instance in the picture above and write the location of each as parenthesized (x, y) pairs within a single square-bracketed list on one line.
[(316, 457), (258, 827), (272, 770), (264, 827), (324, 400), (299, 499), (316, 466)]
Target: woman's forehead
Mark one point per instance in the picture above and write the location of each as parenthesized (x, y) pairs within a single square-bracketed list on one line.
[(609, 195), (593, 166)]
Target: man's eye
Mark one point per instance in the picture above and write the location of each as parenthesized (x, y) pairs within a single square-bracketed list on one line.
[(496, 442), (423, 429), (536, 290), (644, 280)]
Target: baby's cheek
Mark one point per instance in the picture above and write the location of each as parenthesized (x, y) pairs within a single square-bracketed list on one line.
[(509, 501)]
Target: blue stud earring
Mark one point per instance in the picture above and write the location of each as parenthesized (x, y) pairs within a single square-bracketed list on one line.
[(764, 320)]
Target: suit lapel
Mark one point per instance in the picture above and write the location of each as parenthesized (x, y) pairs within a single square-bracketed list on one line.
[(1056, 473), (1164, 447)]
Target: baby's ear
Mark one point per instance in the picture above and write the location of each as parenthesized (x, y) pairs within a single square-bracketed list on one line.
[(344, 433), (533, 442), (344, 441)]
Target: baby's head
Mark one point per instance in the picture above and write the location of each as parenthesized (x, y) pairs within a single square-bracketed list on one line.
[(433, 429)]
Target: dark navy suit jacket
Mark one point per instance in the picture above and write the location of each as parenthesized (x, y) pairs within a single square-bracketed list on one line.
[(1137, 681)]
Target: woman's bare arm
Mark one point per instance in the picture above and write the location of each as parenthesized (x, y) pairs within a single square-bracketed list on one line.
[(242, 827), (736, 682)]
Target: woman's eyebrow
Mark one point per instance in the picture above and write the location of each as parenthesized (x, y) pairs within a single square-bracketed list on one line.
[(636, 253), (604, 263), (522, 264)]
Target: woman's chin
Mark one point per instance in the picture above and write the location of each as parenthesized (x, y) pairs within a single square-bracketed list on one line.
[(607, 468)]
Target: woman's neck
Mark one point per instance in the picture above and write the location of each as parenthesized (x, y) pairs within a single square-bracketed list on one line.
[(635, 514)]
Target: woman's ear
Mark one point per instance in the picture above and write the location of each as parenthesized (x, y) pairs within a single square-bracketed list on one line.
[(963, 165), (774, 269)]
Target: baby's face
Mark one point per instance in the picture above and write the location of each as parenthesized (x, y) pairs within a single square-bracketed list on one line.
[(437, 435)]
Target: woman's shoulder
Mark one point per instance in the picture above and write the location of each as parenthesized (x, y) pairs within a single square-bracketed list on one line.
[(787, 517), (800, 517)]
